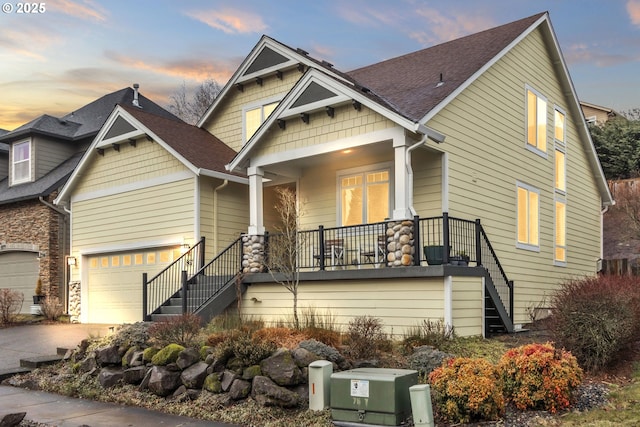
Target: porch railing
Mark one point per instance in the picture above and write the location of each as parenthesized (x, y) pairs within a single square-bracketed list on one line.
[(166, 283)]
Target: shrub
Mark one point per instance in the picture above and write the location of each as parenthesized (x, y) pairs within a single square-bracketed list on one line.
[(538, 376), (279, 337), (365, 337), (326, 336), (251, 351), (595, 317), (429, 332), (467, 390), (10, 305), (51, 308), (183, 330)]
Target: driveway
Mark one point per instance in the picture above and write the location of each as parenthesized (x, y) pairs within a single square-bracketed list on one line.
[(25, 341)]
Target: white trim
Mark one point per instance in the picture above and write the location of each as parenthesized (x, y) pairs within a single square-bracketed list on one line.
[(561, 199), (254, 105), (534, 148), (484, 321), (448, 303), (445, 182), (530, 189), (29, 162), (222, 175), (196, 209), (133, 246), (383, 166), (152, 182), (118, 139)]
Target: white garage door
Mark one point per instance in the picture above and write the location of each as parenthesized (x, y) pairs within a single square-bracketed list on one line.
[(19, 271), (114, 289)]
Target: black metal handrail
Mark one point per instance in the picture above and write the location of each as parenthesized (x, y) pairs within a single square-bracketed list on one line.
[(166, 283), (490, 262), (209, 280)]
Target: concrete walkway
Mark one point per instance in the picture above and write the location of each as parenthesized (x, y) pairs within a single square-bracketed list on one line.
[(33, 341)]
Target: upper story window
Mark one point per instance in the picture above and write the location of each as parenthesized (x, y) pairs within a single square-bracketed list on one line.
[(528, 217), (255, 115), (536, 122), (364, 195), (21, 162), (560, 151)]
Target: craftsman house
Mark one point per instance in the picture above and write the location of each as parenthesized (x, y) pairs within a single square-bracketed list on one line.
[(36, 159), (457, 183)]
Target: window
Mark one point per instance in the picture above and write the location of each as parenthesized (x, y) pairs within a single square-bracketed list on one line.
[(561, 232), (255, 116), (536, 122), (528, 217), (558, 118), (561, 174), (364, 196), (21, 165)]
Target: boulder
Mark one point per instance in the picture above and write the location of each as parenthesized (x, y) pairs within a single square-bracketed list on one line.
[(12, 420), (228, 377), (212, 383), (251, 372), (194, 375), (133, 357), (109, 377), (107, 356), (281, 368), (268, 393), (135, 375), (88, 364), (304, 357), (187, 357), (167, 355), (326, 352), (163, 381), (239, 389)]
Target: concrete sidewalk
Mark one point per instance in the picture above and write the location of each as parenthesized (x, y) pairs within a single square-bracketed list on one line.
[(41, 340)]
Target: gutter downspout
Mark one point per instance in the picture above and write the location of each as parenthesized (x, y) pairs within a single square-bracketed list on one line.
[(65, 268), (407, 160), (215, 214), (602, 212)]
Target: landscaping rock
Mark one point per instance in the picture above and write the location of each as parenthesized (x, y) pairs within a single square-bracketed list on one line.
[(194, 375), (304, 357), (212, 383), (240, 389), (135, 375), (167, 355), (251, 372), (163, 381), (144, 385), (187, 357), (88, 364), (426, 358), (268, 393), (109, 377), (326, 352), (133, 357), (108, 356), (11, 420), (281, 368), (227, 379)]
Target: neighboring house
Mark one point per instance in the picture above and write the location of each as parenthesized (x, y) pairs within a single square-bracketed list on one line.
[(597, 115), (147, 189), (37, 159), (457, 183), (621, 222)]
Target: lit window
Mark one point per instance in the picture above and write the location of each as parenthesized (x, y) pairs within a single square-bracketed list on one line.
[(536, 121), (21, 165), (559, 126), (528, 217), (561, 173), (254, 117), (364, 196), (561, 232)]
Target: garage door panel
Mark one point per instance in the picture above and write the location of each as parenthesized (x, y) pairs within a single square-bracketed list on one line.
[(19, 271), (114, 290)]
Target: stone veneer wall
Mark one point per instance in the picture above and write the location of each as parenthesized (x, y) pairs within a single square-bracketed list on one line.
[(400, 243), (74, 301), (253, 254), (31, 222)]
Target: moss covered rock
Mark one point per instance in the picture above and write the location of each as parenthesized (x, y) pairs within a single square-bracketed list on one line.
[(212, 383), (148, 353), (168, 354)]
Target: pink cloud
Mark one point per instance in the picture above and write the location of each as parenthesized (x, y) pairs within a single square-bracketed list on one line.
[(589, 54), (230, 21), (85, 9), (443, 28), (633, 8)]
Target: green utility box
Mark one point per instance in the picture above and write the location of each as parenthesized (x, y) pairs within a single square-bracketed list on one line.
[(372, 396)]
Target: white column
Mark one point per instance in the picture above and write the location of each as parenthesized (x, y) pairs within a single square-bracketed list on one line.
[(402, 179), (256, 204), (448, 303)]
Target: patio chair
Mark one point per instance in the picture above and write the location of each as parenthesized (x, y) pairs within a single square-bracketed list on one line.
[(376, 255), (333, 251)]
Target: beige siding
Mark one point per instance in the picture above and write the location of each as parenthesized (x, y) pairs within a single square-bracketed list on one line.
[(466, 306), (146, 161), (485, 127), (226, 122), (427, 178), (347, 122), (161, 212), (400, 304)]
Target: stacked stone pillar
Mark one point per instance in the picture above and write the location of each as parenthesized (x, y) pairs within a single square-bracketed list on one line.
[(400, 243), (253, 254)]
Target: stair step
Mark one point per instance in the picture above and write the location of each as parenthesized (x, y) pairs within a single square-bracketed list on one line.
[(8, 373), (38, 361)]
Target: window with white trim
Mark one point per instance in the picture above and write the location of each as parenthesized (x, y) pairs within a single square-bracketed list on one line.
[(21, 162), (536, 112), (254, 116), (560, 247), (364, 196), (527, 217)]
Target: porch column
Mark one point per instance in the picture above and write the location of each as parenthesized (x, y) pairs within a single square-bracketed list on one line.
[(256, 212), (403, 181)]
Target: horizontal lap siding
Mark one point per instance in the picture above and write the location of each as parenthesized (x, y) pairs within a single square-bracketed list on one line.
[(400, 304), (466, 306), (485, 128)]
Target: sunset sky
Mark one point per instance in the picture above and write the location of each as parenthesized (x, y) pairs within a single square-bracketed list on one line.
[(75, 51)]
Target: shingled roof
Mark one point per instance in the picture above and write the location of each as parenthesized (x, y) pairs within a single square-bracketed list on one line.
[(196, 145), (87, 120), (410, 82)]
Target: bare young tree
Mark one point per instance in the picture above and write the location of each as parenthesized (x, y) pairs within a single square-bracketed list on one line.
[(191, 105), (285, 245)]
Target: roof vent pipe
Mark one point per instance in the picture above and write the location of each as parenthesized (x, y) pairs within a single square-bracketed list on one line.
[(136, 86)]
